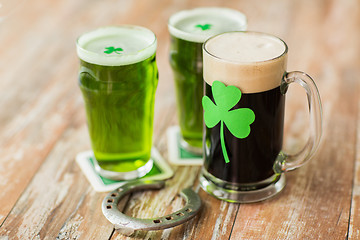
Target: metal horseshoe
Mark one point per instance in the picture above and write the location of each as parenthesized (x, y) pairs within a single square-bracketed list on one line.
[(128, 225)]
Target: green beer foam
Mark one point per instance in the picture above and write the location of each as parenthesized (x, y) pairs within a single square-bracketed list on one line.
[(199, 24), (116, 46)]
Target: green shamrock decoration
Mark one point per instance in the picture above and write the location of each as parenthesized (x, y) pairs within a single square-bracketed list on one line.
[(237, 121), (204, 27), (110, 50)]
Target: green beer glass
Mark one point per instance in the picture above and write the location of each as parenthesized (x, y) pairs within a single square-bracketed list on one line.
[(188, 30), (118, 78)]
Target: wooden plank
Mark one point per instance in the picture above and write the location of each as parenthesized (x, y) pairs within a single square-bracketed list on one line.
[(220, 215), (58, 202), (31, 141), (352, 55), (354, 222), (31, 95)]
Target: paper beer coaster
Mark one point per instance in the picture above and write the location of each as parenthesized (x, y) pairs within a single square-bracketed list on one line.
[(160, 171), (177, 154)]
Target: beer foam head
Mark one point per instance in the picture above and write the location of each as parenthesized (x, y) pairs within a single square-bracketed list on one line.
[(253, 62), (115, 46), (197, 25)]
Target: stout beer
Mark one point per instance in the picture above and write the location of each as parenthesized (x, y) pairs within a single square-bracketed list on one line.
[(255, 64)]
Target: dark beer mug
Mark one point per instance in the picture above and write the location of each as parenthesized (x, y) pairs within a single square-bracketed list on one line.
[(245, 84)]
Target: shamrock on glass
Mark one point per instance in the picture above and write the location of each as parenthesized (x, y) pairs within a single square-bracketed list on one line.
[(237, 121)]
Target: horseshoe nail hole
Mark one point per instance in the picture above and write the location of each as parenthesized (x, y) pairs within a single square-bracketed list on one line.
[(108, 206), (188, 210), (180, 214), (110, 200), (114, 194), (157, 221), (169, 218)]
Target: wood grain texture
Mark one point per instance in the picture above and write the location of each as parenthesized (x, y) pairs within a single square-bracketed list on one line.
[(44, 194)]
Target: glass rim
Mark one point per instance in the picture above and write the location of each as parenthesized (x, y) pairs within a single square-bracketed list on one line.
[(248, 62), (121, 58), (199, 39)]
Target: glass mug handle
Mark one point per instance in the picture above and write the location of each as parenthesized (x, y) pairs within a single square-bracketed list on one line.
[(286, 162)]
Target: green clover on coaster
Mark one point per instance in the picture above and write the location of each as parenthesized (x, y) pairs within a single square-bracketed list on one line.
[(237, 121)]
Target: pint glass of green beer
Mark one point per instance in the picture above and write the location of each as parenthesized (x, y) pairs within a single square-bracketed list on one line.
[(118, 78), (188, 30)]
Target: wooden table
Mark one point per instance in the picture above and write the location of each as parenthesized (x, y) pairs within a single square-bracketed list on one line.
[(44, 194)]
